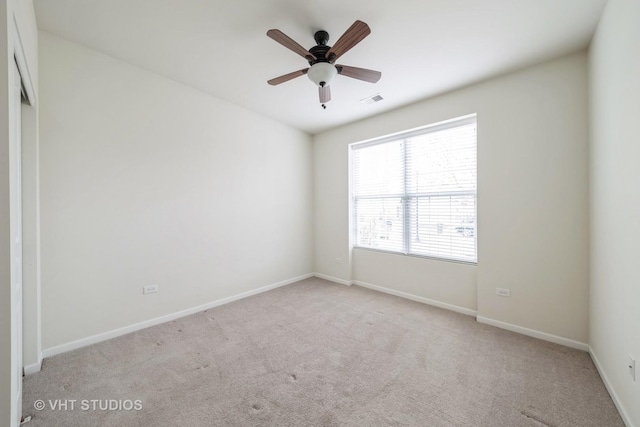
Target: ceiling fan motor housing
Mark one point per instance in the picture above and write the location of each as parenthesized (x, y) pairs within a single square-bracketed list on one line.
[(321, 49)]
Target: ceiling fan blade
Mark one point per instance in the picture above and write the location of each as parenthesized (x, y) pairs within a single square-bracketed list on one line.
[(325, 94), (287, 77), (370, 76), (291, 44), (354, 35)]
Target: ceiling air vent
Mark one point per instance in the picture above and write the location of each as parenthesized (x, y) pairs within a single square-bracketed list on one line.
[(372, 99)]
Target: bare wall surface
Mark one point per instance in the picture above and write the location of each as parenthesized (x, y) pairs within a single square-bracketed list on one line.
[(448, 282), (146, 181), (532, 201), (615, 200)]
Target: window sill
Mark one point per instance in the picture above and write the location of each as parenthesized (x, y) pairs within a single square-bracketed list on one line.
[(456, 261)]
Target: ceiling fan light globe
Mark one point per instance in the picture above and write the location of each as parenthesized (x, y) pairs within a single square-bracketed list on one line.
[(322, 73)]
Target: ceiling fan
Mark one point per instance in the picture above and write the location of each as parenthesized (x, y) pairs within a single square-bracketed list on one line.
[(321, 58)]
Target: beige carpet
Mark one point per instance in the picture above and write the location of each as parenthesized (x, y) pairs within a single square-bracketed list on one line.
[(319, 354)]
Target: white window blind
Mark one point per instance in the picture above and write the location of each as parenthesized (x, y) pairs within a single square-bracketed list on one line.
[(415, 193)]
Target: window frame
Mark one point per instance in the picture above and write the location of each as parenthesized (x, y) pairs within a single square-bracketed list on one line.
[(407, 197)]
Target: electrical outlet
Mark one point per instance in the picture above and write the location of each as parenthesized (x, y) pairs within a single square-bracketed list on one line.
[(503, 292), (149, 289), (632, 367)]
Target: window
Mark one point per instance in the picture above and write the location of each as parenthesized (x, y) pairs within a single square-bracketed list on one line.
[(415, 193)]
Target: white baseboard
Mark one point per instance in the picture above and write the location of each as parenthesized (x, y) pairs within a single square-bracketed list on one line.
[(412, 297), (333, 279), (34, 367), (83, 342), (616, 401), (533, 333)]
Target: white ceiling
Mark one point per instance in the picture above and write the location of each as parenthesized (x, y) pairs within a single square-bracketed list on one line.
[(422, 47)]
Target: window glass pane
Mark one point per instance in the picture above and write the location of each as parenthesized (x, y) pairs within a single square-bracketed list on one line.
[(379, 170), (443, 226), (379, 223), (442, 161)]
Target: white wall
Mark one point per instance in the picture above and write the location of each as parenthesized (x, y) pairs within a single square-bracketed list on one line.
[(532, 201), (615, 200), (145, 181)]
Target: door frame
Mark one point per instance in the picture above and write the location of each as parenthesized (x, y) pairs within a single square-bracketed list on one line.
[(20, 64), (15, 238)]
